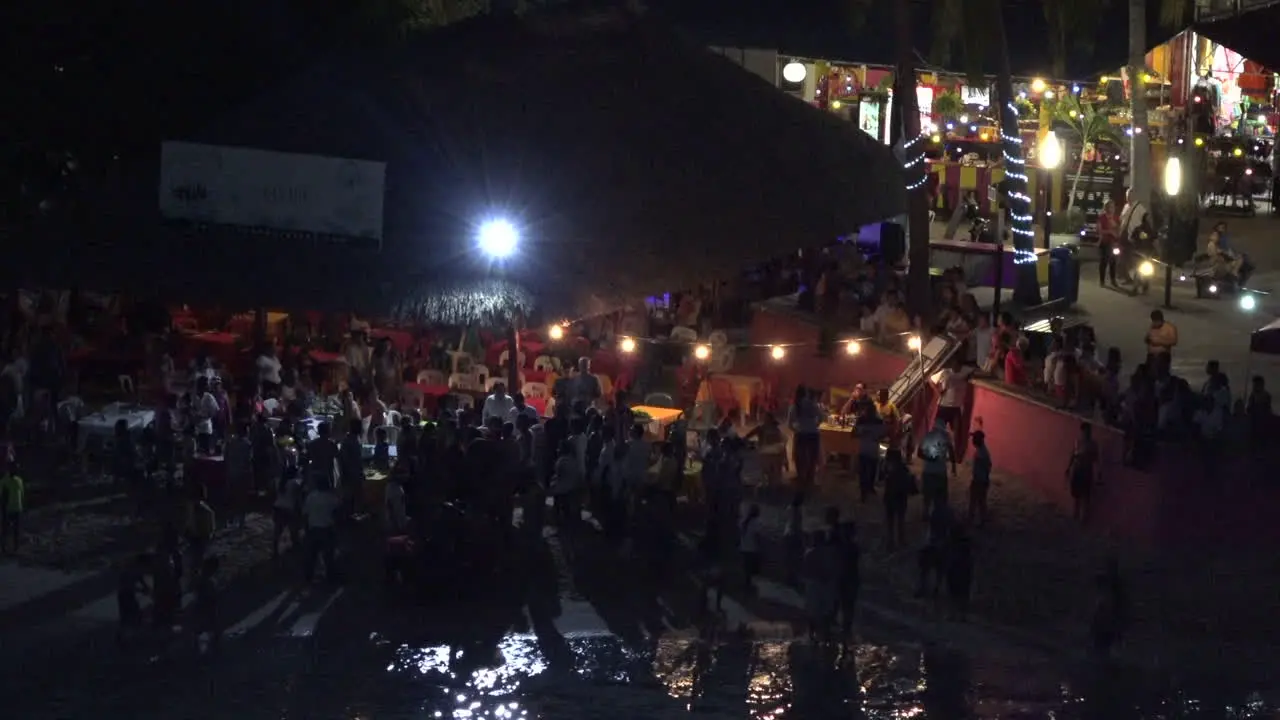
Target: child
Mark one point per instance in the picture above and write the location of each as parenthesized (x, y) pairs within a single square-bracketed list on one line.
[(749, 545), (381, 451)]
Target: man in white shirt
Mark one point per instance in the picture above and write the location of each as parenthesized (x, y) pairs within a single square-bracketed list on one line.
[(269, 372), (952, 385), (206, 410), (519, 408), (498, 405), (319, 511)]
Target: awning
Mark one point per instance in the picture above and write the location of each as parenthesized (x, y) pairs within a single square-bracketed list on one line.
[(1252, 34)]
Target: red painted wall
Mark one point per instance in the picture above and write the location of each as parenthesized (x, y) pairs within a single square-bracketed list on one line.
[(1173, 503)]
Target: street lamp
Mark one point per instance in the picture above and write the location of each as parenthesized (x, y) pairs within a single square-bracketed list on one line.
[(498, 238), (1172, 186), (1050, 158)]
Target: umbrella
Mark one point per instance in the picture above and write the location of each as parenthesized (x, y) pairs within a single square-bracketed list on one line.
[(632, 161)]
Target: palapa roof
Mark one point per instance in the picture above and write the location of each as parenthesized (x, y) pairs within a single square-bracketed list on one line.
[(633, 162)]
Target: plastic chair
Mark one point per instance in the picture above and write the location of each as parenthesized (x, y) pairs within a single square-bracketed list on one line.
[(464, 401), (393, 433), (506, 355), (394, 417), (534, 390), (460, 362), (488, 386), (718, 339), (545, 363), (481, 375), (430, 377), (662, 400), (462, 381)]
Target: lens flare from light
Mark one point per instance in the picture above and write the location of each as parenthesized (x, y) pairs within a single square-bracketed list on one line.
[(1213, 289), (777, 352), (1115, 251), (853, 347), (498, 238), (628, 345), (556, 332), (702, 352), (1248, 302), (913, 342), (1146, 269)]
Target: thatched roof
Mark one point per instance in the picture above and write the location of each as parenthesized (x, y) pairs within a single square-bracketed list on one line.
[(632, 161)]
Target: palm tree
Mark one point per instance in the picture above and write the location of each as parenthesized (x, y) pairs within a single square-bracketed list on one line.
[(1140, 145), (1088, 123), (978, 27)]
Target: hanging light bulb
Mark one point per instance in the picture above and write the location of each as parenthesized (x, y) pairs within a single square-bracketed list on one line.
[(556, 332), (702, 352), (627, 345), (853, 347), (777, 352), (913, 343)]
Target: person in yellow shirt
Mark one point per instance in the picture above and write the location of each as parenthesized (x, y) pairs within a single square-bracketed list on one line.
[(1161, 338), (889, 413), (12, 495)]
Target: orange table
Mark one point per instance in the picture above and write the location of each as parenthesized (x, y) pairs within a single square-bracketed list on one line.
[(661, 418)]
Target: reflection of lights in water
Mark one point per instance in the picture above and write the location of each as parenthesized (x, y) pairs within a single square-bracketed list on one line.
[(769, 691), (673, 667), (488, 689)]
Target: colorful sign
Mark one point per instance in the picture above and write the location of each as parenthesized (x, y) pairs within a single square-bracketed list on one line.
[(869, 117), (261, 189)]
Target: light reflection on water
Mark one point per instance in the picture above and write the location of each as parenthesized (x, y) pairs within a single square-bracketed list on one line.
[(765, 681)]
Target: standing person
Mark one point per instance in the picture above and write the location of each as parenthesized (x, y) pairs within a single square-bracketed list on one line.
[(980, 485), (821, 574), (805, 419), (238, 459), (952, 384), (284, 510), (268, 367), (351, 467), (793, 539), (1083, 472), (938, 452), (749, 546), (1161, 338), (1212, 417), (201, 523), (899, 486), (12, 501), (1257, 408), (322, 458), (130, 582), (205, 410), (1132, 219), (584, 387), (320, 511), (1108, 242), (850, 580), (870, 430)]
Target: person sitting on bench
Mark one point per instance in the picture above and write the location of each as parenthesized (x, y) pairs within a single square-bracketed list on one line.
[(1225, 263)]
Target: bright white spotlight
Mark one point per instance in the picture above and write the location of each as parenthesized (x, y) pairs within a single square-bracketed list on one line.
[(853, 347), (1213, 289), (702, 352), (913, 342), (794, 72), (1146, 269), (556, 332), (1115, 251), (499, 238), (1248, 302), (778, 352), (627, 345)]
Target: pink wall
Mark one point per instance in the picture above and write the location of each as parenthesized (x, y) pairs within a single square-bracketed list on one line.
[(1172, 503)]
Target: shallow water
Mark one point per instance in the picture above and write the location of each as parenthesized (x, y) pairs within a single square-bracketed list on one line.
[(601, 676)]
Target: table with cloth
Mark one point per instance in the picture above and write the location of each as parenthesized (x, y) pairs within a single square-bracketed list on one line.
[(659, 418), (838, 440), (746, 388), (102, 424)]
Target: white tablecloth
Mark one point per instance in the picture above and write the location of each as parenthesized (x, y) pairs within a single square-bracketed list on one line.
[(103, 423)]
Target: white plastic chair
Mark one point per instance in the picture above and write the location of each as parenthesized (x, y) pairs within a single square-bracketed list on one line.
[(465, 401), (544, 363), (393, 433), (430, 377), (394, 417), (481, 375), (718, 338), (488, 385), (506, 354), (684, 334), (461, 362), (534, 390), (462, 381), (365, 423)]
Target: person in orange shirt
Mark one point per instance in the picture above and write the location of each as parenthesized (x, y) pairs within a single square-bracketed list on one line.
[(1161, 338)]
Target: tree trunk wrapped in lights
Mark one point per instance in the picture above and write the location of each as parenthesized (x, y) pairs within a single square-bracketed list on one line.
[(920, 294)]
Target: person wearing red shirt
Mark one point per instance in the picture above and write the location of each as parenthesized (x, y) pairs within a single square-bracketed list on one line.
[(1108, 241), (1015, 365)]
